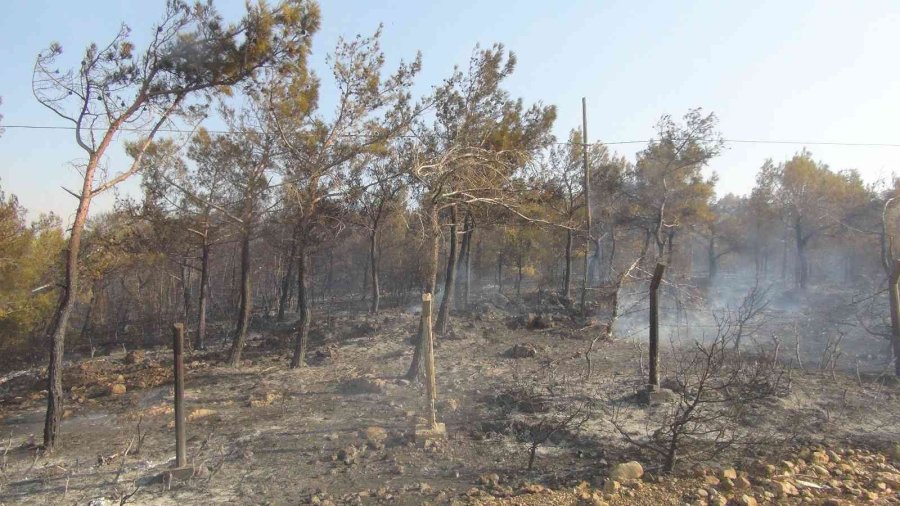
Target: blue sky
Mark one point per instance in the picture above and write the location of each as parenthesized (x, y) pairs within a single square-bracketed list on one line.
[(805, 71)]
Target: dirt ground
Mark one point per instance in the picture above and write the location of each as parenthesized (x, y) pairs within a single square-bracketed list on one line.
[(342, 429)]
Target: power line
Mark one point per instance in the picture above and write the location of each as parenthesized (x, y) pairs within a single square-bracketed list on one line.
[(605, 143)]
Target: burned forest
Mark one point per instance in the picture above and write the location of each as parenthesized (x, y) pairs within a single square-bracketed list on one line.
[(301, 273)]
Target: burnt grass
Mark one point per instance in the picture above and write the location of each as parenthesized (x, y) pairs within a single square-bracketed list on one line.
[(265, 434)]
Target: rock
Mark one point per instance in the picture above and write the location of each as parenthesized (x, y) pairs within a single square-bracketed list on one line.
[(522, 351), (819, 458), (711, 480), (329, 352), (783, 489), (117, 389), (375, 437), (627, 471), (746, 500), (611, 487), (538, 323), (135, 357), (491, 479), (729, 473), (367, 384), (890, 479), (662, 396), (534, 488), (201, 472), (348, 455), (200, 413), (820, 470), (262, 398)]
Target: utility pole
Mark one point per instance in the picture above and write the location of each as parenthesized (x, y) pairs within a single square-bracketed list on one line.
[(587, 204)]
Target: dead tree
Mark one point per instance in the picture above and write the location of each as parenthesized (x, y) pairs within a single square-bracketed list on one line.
[(715, 388), (654, 326), (443, 319), (191, 51)]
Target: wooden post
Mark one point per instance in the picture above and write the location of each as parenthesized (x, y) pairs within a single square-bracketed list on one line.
[(428, 339), (894, 292), (178, 345), (432, 429), (181, 470), (654, 326), (587, 205)]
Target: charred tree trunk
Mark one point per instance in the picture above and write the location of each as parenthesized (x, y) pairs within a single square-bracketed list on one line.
[(373, 256), (894, 296), (68, 293), (365, 281), (303, 299), (462, 263), (802, 261), (612, 252), (500, 273), (712, 258), (204, 295), (432, 248), (519, 277), (287, 278), (186, 278), (329, 276), (443, 319), (246, 305), (85, 325), (567, 276), (670, 246), (467, 280)]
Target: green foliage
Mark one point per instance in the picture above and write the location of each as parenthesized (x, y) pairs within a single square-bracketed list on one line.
[(29, 260)]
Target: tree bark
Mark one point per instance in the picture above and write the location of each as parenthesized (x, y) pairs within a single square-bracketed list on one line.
[(612, 252), (57, 328), (329, 276), (567, 276), (894, 299), (286, 280), (373, 256), (519, 276), (204, 295), (246, 304), (443, 319), (432, 248), (802, 261), (467, 283), (712, 258), (186, 275), (670, 245), (500, 273), (463, 264), (303, 299), (87, 317), (365, 281)]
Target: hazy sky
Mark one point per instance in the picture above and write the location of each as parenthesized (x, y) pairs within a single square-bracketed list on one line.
[(808, 71)]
